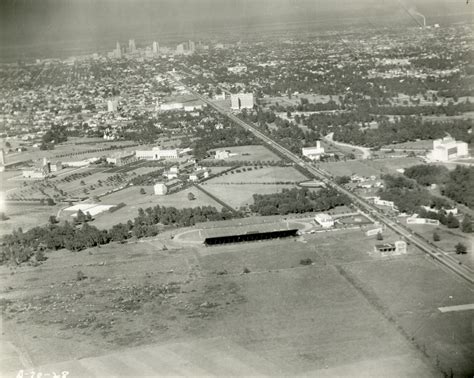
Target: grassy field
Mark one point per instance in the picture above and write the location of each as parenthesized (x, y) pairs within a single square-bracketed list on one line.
[(348, 314), (448, 240), (241, 195), (416, 145), (236, 189), (134, 200), (348, 168), (390, 165), (407, 292), (250, 153), (26, 216), (264, 175)]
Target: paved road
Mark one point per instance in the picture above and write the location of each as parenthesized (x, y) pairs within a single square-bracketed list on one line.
[(436, 253)]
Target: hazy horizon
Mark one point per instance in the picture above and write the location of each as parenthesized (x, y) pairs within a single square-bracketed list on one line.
[(88, 24)]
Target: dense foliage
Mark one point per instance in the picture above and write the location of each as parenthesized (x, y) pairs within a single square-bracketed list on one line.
[(20, 246), (408, 196), (460, 186), (298, 201), (427, 174)]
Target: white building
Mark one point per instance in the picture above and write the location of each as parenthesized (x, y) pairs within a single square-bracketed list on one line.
[(447, 149), (34, 173), (56, 166), (240, 68), (313, 153), (241, 101), (112, 106), (219, 96), (324, 220), (222, 154), (381, 202), (416, 220), (121, 158), (199, 174), (171, 106), (374, 231), (156, 153), (160, 189), (192, 108)]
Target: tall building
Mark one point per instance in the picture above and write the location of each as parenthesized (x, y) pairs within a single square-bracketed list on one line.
[(117, 51), (2, 160), (241, 101), (156, 47), (180, 49), (192, 47), (112, 105), (447, 149), (131, 45)]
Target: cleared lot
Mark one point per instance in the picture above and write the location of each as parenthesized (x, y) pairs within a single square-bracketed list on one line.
[(349, 313)]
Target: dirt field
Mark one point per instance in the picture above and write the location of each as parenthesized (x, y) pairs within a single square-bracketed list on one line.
[(349, 313)]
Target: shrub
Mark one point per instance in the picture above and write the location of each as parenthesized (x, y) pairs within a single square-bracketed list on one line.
[(460, 249), (306, 261)]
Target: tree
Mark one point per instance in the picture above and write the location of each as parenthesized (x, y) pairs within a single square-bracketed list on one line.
[(466, 225), (436, 237), (460, 249), (53, 219), (80, 216), (341, 180), (379, 236), (142, 191), (191, 196), (452, 221)]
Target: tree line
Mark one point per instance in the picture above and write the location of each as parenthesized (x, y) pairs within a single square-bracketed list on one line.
[(19, 247), (297, 200)]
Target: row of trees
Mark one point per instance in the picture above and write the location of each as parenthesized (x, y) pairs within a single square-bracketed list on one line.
[(298, 201), (20, 246)]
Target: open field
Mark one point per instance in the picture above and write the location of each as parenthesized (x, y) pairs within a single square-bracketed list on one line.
[(448, 239), (26, 216), (264, 175), (237, 188), (134, 200), (241, 195), (407, 290), (444, 118), (390, 165), (71, 149), (349, 313), (250, 153), (416, 145), (348, 168)]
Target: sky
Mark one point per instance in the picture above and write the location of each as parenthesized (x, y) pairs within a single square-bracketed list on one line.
[(27, 23)]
